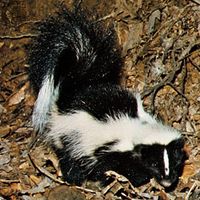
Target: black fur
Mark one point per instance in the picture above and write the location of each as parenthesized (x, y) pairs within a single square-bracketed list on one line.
[(78, 52), (139, 165), (85, 63), (152, 155), (98, 101)]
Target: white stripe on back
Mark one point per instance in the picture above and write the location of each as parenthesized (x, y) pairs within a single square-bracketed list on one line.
[(93, 133)]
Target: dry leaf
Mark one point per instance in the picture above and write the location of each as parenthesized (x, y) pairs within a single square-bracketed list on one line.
[(17, 97), (188, 171)]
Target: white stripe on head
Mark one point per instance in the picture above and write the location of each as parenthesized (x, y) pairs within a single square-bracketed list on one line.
[(166, 162)]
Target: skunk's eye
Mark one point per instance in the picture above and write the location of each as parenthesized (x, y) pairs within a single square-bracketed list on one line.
[(154, 164)]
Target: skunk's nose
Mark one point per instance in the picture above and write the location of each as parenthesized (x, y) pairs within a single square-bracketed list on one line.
[(166, 183)]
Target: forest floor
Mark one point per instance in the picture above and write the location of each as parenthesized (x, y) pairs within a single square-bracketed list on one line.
[(160, 43)]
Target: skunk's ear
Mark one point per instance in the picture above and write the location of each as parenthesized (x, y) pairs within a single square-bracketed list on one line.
[(178, 150), (178, 143)]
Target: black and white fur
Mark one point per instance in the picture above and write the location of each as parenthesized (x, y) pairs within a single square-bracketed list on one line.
[(93, 124)]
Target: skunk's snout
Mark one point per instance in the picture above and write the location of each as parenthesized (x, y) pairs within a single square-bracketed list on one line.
[(166, 183)]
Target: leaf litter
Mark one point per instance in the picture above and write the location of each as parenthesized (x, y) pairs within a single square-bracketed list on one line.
[(160, 43)]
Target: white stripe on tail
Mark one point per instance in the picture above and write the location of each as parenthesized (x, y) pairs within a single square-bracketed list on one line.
[(44, 103)]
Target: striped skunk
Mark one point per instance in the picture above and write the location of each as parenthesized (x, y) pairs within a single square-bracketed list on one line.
[(90, 121)]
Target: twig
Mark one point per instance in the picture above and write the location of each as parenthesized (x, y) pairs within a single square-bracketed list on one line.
[(191, 189), (196, 66), (188, 133), (17, 76), (184, 76), (8, 63), (180, 93), (9, 181), (125, 196), (16, 37), (28, 22), (196, 1), (85, 189), (111, 15), (45, 172)]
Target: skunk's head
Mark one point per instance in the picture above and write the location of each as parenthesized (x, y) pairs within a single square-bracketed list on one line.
[(164, 162)]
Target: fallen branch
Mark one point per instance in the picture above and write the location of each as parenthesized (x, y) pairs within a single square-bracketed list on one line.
[(45, 172)]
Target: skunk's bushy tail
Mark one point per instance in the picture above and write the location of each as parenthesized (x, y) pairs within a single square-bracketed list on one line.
[(70, 53)]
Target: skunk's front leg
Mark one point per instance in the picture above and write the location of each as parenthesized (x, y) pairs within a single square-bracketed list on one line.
[(73, 171)]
